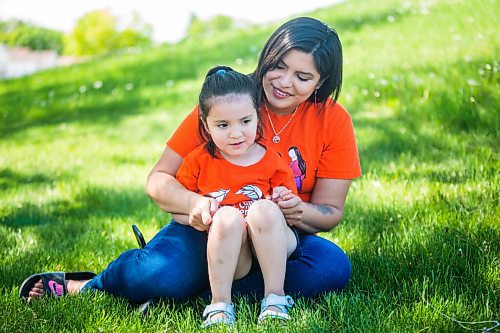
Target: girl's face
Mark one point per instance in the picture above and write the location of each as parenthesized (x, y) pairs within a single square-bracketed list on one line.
[(291, 82), (232, 124)]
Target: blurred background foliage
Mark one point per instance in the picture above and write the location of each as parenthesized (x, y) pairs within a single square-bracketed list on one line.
[(98, 32), (23, 34)]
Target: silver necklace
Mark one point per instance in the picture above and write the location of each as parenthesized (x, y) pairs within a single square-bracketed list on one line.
[(276, 137)]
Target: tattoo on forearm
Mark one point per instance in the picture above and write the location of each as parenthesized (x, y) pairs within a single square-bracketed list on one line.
[(324, 209)]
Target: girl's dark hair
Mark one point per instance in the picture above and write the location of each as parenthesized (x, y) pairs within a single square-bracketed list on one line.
[(224, 81), (310, 36)]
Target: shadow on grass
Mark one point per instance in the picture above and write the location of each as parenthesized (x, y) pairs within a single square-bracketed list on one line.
[(85, 233), (443, 250), (90, 202), (453, 261), (12, 179)]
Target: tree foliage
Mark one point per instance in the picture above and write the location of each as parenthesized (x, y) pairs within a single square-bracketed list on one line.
[(22, 34), (97, 33)]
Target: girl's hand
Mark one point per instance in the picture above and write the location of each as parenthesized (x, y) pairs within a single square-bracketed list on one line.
[(279, 193), (292, 208), (201, 212)]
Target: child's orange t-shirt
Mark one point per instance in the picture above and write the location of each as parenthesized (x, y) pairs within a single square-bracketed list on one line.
[(234, 185), (315, 144)]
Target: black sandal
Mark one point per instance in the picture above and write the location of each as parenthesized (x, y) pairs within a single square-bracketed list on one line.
[(54, 283)]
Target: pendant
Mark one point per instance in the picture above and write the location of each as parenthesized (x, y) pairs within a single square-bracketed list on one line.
[(276, 139)]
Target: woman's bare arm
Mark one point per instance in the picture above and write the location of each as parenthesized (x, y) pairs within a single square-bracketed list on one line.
[(172, 197), (324, 211)]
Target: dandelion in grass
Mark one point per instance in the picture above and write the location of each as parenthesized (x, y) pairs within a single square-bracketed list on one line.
[(376, 94), (97, 85), (238, 61), (396, 78), (129, 86), (472, 82), (371, 76), (364, 92), (391, 19), (82, 89), (424, 11), (169, 83)]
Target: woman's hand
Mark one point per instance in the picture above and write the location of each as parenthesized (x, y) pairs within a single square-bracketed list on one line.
[(292, 208), (201, 211)]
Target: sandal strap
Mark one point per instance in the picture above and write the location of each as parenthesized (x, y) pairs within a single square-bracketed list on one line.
[(215, 308), (54, 283), (281, 302)]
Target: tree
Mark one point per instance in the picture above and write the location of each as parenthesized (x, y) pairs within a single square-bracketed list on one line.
[(137, 33), (20, 33), (92, 35), (96, 33)]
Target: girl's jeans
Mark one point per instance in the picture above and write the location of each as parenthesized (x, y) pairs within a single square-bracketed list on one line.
[(174, 265)]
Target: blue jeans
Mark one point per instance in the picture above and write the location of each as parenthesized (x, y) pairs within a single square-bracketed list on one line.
[(174, 265)]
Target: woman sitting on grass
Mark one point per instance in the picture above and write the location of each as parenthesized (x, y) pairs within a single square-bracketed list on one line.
[(299, 75)]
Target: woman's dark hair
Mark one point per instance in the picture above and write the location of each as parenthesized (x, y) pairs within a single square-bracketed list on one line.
[(223, 81), (310, 36)]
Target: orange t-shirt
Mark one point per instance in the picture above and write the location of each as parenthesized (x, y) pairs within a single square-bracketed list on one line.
[(234, 185), (315, 144)]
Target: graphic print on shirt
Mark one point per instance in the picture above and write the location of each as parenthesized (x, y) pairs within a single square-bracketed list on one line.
[(298, 166), (219, 195), (253, 193)]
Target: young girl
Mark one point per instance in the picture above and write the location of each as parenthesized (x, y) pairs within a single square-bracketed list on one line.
[(238, 174)]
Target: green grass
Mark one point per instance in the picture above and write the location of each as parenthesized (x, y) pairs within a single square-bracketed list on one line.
[(421, 226)]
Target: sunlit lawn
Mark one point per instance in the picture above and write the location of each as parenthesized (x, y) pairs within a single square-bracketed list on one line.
[(421, 226)]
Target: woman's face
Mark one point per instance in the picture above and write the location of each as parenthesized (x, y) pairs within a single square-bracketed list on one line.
[(291, 82)]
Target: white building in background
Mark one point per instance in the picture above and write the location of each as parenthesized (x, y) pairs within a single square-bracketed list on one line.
[(19, 61)]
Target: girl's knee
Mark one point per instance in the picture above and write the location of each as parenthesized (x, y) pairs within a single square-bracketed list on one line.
[(227, 219), (265, 214)]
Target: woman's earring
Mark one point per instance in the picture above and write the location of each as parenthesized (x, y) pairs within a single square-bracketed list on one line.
[(315, 95)]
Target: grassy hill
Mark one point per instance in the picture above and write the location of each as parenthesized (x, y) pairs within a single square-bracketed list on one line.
[(421, 82)]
